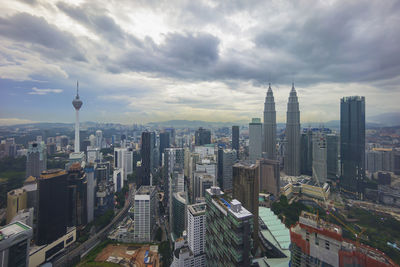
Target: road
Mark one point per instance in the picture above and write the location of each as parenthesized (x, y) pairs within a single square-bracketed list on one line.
[(71, 257)]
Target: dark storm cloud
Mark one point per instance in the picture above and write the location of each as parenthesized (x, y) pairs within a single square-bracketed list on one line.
[(343, 43), (181, 55), (95, 19), (43, 37)]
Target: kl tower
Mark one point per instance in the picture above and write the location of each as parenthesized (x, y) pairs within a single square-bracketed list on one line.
[(77, 103)]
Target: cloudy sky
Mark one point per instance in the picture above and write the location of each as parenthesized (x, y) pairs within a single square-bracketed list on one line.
[(142, 61)]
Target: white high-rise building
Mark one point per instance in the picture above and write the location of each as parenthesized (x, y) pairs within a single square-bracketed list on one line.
[(99, 139), (255, 139), (196, 230), (270, 125), (319, 163), (77, 103), (123, 159), (93, 154), (145, 213)]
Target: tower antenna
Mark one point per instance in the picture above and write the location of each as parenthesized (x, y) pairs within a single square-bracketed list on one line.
[(77, 88)]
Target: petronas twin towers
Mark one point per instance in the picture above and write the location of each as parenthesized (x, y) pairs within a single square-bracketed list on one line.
[(292, 151)]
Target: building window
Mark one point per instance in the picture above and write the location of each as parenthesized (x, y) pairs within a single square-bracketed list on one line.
[(327, 245), (316, 239)]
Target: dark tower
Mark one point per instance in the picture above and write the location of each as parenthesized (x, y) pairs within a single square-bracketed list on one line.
[(52, 206), (352, 142), (235, 139)]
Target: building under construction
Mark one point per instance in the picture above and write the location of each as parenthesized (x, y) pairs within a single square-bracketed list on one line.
[(319, 243)]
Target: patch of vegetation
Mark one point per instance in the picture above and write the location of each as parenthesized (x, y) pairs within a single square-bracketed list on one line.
[(121, 196), (104, 219), (12, 176), (159, 234), (166, 254), (291, 212), (89, 258), (380, 229)]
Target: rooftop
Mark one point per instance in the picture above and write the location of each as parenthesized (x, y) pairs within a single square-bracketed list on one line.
[(197, 209), (276, 232), (52, 173), (13, 229), (145, 190)]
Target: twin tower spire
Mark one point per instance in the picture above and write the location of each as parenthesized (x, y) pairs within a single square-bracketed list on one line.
[(292, 142)]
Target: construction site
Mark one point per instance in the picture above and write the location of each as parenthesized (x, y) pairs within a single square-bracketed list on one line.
[(130, 255)]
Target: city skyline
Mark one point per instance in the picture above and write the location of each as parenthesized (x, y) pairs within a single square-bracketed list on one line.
[(146, 62)]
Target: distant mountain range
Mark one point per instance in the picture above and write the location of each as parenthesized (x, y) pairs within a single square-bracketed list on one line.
[(382, 120)]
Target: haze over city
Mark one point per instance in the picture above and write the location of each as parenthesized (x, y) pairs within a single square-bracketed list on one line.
[(146, 61)]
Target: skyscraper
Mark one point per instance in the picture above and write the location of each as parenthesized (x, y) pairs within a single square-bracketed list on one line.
[(269, 177), (77, 196), (77, 103), (255, 139), (352, 142), (164, 142), (292, 156), (228, 160), (196, 231), (332, 143), (319, 163), (235, 139), (270, 125), (52, 206), (246, 189), (229, 228), (36, 160), (202, 137), (179, 213), (306, 152), (145, 213), (146, 153)]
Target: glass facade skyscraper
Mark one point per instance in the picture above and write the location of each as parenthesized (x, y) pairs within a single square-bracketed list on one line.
[(352, 142)]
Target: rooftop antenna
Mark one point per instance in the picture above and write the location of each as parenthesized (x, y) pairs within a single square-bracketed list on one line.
[(77, 88)]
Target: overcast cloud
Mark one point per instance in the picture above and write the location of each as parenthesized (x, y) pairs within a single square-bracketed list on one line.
[(142, 61)]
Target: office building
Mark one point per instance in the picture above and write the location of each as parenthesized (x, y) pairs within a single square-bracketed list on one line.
[(201, 182), (118, 180), (246, 188), (14, 244), (77, 196), (332, 161), (179, 213), (379, 159), (123, 159), (255, 139), (164, 143), (145, 213), (91, 186), (146, 153), (270, 125), (229, 228), (30, 186), (320, 157), (196, 230), (77, 103), (52, 206), (228, 160), (292, 156), (235, 139), (182, 255), (220, 171), (36, 160), (319, 243), (306, 152), (202, 137), (99, 139), (16, 201), (174, 159), (269, 177), (93, 154), (352, 142)]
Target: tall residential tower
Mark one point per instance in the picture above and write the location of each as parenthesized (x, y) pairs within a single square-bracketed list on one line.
[(270, 125), (292, 156)]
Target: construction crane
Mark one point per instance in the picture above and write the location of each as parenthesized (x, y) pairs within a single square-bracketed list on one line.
[(357, 235)]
